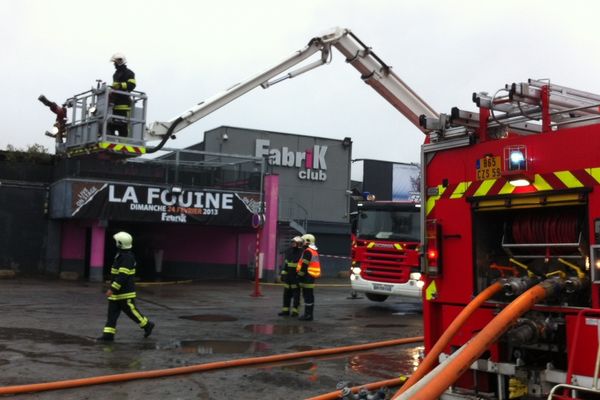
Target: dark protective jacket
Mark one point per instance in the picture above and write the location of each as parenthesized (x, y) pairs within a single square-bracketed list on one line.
[(123, 79), (123, 276), (290, 262)]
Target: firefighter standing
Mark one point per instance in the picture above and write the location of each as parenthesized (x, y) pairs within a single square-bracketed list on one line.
[(121, 294), (289, 277), (308, 269), (123, 80)]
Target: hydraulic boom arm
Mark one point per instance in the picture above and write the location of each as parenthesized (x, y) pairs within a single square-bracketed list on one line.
[(380, 77), (373, 71)]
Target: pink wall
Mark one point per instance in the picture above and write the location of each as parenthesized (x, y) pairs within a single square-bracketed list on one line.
[(198, 244), (97, 246), (181, 243), (268, 245), (72, 241)]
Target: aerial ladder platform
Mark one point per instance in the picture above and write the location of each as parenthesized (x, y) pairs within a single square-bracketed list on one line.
[(83, 123)]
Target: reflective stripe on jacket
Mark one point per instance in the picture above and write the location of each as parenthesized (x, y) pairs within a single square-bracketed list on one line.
[(292, 256), (309, 263), (123, 79), (123, 276)]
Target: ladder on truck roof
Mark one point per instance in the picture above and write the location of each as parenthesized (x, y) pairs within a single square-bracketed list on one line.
[(530, 107), (87, 131)]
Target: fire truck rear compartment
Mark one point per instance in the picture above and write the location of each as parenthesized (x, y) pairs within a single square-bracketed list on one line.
[(534, 243), (531, 244)]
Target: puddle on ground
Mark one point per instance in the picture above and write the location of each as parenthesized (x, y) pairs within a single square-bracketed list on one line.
[(407, 308), (41, 335), (274, 329), (393, 309), (302, 348), (222, 346), (373, 311), (305, 369), (303, 366), (385, 326), (376, 365), (386, 365), (210, 317)]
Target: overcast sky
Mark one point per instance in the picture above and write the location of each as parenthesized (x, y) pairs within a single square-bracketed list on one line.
[(186, 51)]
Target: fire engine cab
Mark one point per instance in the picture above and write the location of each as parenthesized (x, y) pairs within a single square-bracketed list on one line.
[(511, 235), (385, 250)]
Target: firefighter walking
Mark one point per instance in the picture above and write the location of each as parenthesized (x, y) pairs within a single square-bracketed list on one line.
[(308, 269), (121, 294), (289, 277)]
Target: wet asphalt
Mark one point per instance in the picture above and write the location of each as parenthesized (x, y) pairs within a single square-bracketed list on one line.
[(48, 331)]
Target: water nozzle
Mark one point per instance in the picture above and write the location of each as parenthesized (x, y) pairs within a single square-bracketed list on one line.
[(45, 101)]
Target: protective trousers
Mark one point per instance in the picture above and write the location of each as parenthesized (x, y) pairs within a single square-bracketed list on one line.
[(119, 126), (128, 307), (291, 292), (307, 286)]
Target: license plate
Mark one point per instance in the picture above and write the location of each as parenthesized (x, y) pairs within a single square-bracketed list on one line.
[(381, 286), (488, 168)]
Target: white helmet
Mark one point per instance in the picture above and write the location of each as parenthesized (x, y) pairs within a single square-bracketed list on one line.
[(308, 239), (298, 240), (118, 58), (124, 240)]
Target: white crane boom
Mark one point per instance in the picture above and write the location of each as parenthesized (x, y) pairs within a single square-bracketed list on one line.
[(373, 72)]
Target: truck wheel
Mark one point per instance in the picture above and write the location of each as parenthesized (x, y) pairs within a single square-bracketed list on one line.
[(376, 297)]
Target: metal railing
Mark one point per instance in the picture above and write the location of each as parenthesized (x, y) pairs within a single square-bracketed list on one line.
[(91, 115), (191, 169)]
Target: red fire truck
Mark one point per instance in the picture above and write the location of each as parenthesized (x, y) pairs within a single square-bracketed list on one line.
[(511, 216), (385, 250)]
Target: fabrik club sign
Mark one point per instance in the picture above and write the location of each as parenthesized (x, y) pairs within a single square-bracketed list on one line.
[(157, 204)]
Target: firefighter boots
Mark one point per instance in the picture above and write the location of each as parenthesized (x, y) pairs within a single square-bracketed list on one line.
[(308, 314), (148, 329), (106, 338)]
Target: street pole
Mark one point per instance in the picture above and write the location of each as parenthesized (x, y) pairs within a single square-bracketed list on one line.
[(257, 292), (259, 225)]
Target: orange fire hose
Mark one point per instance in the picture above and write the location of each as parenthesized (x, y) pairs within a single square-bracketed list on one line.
[(486, 337), (72, 383), (432, 357)]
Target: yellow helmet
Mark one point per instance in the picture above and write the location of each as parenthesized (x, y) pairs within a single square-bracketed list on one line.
[(124, 240), (308, 239)]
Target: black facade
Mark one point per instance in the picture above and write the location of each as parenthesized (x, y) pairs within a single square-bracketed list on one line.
[(26, 234), (37, 217)]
